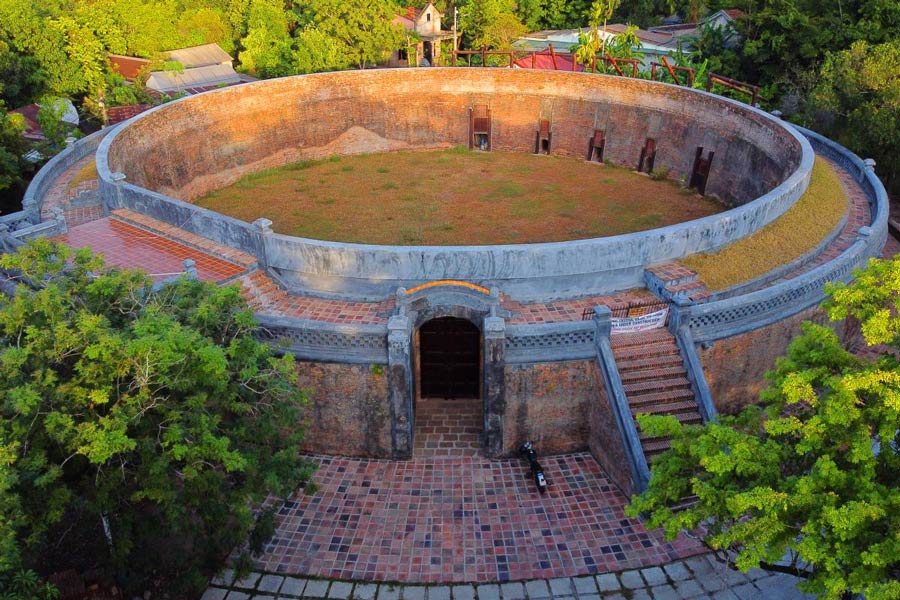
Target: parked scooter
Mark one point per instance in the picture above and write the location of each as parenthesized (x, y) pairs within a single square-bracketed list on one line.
[(537, 472)]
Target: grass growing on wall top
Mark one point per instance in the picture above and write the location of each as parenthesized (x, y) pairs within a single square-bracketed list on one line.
[(803, 227), (87, 173)]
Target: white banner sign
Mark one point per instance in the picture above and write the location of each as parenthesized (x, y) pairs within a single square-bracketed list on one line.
[(653, 320)]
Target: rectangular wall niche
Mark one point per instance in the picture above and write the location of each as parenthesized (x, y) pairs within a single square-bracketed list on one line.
[(648, 157), (542, 137), (480, 128), (595, 147), (700, 172)]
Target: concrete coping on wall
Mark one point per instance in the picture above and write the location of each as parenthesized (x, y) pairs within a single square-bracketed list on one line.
[(33, 199), (528, 272)]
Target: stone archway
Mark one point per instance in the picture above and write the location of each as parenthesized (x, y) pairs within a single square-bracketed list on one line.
[(449, 353), (454, 301), (449, 413)]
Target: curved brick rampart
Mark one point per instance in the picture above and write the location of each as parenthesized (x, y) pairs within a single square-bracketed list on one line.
[(189, 147)]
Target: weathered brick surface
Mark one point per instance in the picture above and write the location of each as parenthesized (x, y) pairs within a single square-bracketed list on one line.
[(349, 412), (209, 141), (735, 366), (605, 441), (547, 403)]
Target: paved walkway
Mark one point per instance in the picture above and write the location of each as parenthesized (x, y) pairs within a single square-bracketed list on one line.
[(123, 245), (699, 577), (461, 519)]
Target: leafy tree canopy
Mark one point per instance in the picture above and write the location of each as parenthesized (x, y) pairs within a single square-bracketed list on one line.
[(152, 415), (857, 101), (12, 148), (813, 473)]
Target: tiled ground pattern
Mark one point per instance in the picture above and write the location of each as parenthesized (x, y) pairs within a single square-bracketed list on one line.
[(461, 520), (700, 578), (448, 427), (184, 237), (123, 245)]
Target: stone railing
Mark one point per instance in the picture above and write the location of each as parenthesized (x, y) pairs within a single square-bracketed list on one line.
[(49, 173), (573, 340), (327, 342)]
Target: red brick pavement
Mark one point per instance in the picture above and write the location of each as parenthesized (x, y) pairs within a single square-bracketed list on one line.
[(573, 310), (267, 297), (448, 427), (123, 245), (461, 519)]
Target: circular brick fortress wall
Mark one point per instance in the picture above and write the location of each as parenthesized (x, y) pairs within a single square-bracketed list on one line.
[(187, 148)]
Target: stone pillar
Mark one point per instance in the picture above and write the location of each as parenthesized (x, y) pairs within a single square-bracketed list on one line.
[(400, 385), (494, 383), (60, 217), (118, 179), (264, 227)]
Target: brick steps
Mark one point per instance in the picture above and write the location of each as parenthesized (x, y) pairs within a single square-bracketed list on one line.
[(640, 362), (261, 292), (655, 381), (672, 279), (645, 374)]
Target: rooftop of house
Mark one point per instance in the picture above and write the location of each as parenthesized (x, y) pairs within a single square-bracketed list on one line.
[(128, 66), (200, 56), (563, 38), (208, 76), (29, 113)]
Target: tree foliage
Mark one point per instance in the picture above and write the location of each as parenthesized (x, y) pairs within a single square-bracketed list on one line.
[(153, 414), (365, 29), (857, 101), (12, 148), (813, 473)]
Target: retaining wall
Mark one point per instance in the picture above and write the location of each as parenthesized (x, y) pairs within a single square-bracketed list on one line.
[(199, 143)]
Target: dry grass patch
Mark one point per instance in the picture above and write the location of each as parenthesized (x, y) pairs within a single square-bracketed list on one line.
[(803, 227), (87, 173), (456, 197)]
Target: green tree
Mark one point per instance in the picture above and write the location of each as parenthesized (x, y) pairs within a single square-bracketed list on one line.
[(530, 14), (21, 79), (813, 473), (857, 101), (267, 45), (12, 148), (365, 29), (565, 14), (490, 23), (149, 420), (594, 40), (315, 52)]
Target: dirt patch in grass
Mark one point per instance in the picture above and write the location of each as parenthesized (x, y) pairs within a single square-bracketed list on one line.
[(797, 232), (456, 197), (87, 173)]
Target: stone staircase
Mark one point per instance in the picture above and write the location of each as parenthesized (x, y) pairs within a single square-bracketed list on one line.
[(672, 279), (261, 292), (655, 381)]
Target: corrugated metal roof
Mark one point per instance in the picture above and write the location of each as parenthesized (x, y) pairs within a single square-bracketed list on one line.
[(212, 75), (200, 56)]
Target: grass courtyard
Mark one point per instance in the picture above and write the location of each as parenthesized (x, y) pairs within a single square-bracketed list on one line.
[(456, 197)]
